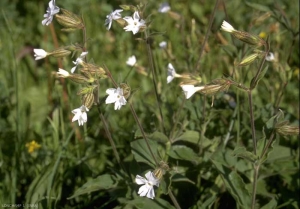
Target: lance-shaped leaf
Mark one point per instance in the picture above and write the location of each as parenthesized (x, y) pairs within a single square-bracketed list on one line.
[(101, 182)]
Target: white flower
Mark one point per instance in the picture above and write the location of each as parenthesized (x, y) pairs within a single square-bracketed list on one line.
[(134, 24), (80, 115), (149, 182), (115, 96), (171, 73), (227, 27), (189, 90), (270, 57), (63, 73), (51, 11), (163, 45), (164, 7), (78, 61), (40, 54), (112, 16), (131, 61)]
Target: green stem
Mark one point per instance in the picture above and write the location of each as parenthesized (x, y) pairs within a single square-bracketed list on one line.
[(177, 206), (255, 177), (142, 131), (134, 115), (176, 120), (111, 141), (252, 120), (207, 33), (152, 66)]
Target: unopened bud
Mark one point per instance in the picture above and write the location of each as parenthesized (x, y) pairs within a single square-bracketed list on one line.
[(161, 170), (128, 7), (284, 129), (69, 20), (77, 78), (62, 52), (88, 100), (262, 18), (216, 86), (249, 59), (86, 90), (91, 70), (121, 22), (126, 90), (248, 38)]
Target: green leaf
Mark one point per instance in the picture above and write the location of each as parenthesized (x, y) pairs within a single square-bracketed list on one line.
[(101, 182), (235, 185), (243, 153), (258, 7), (189, 136), (271, 205), (142, 153), (182, 153), (158, 136), (180, 178), (145, 203)]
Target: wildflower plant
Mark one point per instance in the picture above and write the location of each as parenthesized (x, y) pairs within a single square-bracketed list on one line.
[(199, 118)]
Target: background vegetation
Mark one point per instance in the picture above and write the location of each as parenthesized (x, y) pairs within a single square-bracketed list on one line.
[(204, 171)]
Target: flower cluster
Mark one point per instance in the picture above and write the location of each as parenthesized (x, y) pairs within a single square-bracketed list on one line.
[(133, 23)]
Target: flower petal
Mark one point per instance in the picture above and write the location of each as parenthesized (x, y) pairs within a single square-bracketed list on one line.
[(143, 190), (140, 180)]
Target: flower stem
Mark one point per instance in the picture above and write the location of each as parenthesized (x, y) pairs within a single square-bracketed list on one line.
[(177, 206), (135, 117), (256, 170), (152, 66), (142, 131), (252, 120), (207, 34), (111, 141)]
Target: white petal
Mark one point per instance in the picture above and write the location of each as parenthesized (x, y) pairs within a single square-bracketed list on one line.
[(151, 193), (143, 190), (112, 98), (76, 116), (111, 91), (227, 27), (169, 78), (73, 69), (63, 72), (136, 16), (140, 180)]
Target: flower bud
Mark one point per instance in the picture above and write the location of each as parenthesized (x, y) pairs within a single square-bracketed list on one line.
[(128, 7), (249, 59), (91, 70), (285, 129), (61, 52), (216, 86), (126, 90), (77, 78), (69, 20), (248, 38), (87, 90), (88, 100), (161, 170)]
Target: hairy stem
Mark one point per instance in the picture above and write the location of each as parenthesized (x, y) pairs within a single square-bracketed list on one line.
[(255, 177), (111, 141), (177, 206), (252, 121), (207, 33), (135, 117), (142, 131), (152, 66)]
